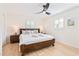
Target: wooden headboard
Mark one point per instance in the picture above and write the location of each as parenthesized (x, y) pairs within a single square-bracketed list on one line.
[(29, 29)]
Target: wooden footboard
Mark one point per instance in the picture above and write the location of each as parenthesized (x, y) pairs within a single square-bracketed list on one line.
[(24, 49)]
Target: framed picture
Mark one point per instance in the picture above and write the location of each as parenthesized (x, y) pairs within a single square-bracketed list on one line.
[(70, 22)]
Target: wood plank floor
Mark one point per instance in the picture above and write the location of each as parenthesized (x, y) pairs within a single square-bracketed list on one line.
[(58, 50)]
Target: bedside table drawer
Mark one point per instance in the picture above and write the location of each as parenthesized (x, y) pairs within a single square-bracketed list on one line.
[(14, 38)]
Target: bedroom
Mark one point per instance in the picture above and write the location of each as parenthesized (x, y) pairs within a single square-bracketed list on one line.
[(24, 15)]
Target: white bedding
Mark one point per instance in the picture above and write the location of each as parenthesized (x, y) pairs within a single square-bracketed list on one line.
[(34, 38)]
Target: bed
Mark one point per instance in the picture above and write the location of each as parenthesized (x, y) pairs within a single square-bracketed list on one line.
[(32, 40)]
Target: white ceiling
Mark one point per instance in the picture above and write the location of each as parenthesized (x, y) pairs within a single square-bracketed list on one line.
[(32, 8)]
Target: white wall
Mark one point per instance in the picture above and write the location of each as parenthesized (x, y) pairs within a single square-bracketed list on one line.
[(1, 33), (68, 35), (2, 29)]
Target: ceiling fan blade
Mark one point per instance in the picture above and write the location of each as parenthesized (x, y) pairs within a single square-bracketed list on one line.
[(48, 13), (47, 6)]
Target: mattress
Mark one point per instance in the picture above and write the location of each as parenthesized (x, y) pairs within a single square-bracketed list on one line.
[(34, 38)]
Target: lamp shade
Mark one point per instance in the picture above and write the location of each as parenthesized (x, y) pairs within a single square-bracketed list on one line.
[(15, 28)]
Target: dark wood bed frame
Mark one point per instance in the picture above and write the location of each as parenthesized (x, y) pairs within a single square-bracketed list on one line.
[(24, 49)]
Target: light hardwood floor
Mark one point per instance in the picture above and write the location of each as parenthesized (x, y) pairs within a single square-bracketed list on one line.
[(58, 50)]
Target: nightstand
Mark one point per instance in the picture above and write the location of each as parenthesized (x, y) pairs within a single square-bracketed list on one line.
[(14, 39)]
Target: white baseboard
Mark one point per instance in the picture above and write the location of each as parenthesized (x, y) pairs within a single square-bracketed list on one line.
[(66, 43)]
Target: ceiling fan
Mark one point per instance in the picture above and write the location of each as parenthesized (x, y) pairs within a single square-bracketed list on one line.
[(45, 8)]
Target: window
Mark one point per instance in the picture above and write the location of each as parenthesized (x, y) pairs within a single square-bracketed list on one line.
[(59, 23), (30, 24)]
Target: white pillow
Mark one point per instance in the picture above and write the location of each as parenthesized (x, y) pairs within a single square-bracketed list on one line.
[(29, 31), (25, 32), (34, 31)]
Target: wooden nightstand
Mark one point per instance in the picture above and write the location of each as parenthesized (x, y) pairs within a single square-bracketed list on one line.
[(14, 38)]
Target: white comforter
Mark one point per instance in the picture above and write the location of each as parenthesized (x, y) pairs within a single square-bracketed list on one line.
[(34, 38)]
